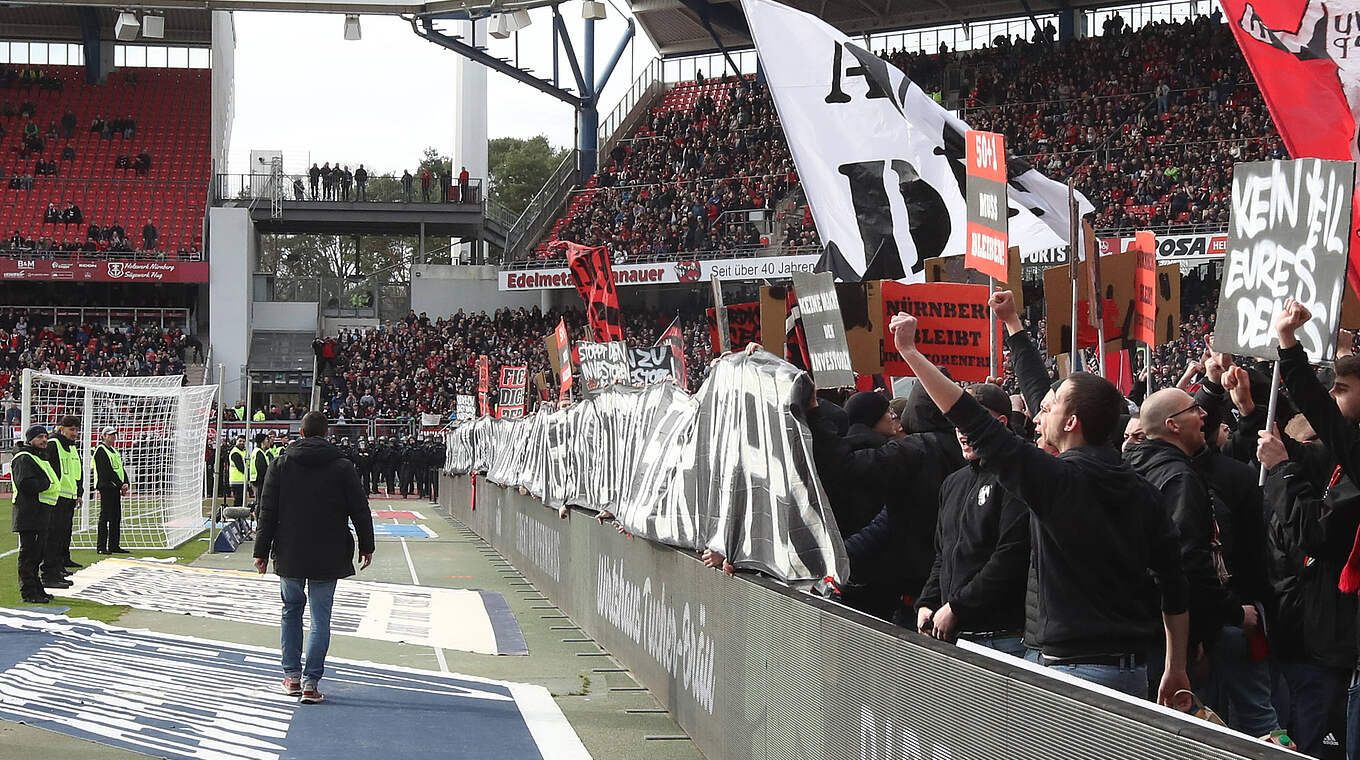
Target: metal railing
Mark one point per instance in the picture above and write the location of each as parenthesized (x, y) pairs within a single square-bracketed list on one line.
[(44, 316), (647, 84), (543, 208), (385, 188), (75, 256)]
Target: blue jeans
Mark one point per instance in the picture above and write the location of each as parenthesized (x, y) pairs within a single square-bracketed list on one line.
[(1011, 645), (1132, 681), (295, 593), (1313, 689), (1238, 687)]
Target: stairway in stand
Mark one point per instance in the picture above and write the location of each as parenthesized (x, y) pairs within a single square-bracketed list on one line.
[(194, 373)]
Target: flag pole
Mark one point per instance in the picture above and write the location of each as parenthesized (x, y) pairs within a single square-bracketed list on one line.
[(991, 330), (1073, 270), (1271, 409), (720, 314)]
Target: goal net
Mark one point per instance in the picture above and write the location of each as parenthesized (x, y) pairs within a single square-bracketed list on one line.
[(162, 430)]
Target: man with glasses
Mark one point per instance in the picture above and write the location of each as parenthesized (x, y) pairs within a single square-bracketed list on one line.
[(1219, 621)]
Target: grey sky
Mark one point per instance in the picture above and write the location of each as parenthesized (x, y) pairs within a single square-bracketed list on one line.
[(303, 89)]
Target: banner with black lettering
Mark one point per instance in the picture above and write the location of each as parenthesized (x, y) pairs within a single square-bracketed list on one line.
[(1145, 289), (953, 322), (653, 364), (828, 350), (882, 162), (513, 380), (1286, 238), (594, 279), (603, 364), (743, 325), (987, 247)]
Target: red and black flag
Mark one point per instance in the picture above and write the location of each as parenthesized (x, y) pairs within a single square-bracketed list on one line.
[(594, 279), (795, 340), (672, 337)]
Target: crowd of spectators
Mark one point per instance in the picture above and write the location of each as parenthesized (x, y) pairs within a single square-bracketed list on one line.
[(30, 341), (336, 182), (419, 366), (666, 189)]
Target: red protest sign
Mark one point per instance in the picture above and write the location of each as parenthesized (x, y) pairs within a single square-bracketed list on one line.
[(483, 385), (743, 325), (953, 325), (1145, 288), (987, 238)]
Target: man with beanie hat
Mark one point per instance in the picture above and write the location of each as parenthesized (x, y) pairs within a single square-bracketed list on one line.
[(892, 483), (63, 453), (35, 496), (976, 587), (111, 481)]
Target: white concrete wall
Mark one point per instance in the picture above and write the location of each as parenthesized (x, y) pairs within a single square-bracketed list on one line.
[(223, 86), (232, 249), (442, 289), (299, 316)]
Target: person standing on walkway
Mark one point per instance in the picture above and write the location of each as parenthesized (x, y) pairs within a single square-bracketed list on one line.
[(311, 496), (111, 481), (237, 472), (63, 453), (35, 496)]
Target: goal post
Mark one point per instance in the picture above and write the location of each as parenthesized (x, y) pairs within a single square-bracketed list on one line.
[(162, 430)]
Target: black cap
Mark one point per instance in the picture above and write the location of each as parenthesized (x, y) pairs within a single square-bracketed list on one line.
[(34, 432), (991, 396), (866, 408)]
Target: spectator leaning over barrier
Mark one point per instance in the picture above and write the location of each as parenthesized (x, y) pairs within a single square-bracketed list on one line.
[(1098, 530), (311, 495)]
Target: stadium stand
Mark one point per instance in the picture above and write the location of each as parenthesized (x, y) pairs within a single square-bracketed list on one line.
[(156, 114), (1088, 110)]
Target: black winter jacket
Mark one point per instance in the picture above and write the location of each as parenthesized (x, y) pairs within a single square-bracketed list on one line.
[(1097, 529), (29, 480), (1185, 496), (1310, 533), (311, 495), (981, 554)]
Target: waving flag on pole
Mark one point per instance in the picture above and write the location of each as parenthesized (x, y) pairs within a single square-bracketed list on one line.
[(1306, 59), (594, 279), (882, 163)]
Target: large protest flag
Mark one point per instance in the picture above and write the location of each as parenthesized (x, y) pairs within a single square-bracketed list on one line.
[(881, 161), (1310, 81), (673, 337), (593, 276)]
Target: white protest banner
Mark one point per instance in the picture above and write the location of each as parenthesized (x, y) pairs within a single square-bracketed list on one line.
[(828, 349), (513, 380), (882, 162), (1286, 238), (654, 364), (467, 407), (428, 420), (603, 364)]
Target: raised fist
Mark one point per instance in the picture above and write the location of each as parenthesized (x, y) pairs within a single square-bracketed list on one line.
[(1293, 316), (903, 328), (1003, 304)]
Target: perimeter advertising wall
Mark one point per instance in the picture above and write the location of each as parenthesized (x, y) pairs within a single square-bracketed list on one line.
[(751, 669)]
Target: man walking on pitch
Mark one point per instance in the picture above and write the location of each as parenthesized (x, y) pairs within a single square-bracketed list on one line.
[(35, 496), (111, 481), (311, 495), (63, 453)]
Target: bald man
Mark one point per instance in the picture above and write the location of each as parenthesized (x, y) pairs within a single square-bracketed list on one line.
[(1174, 425)]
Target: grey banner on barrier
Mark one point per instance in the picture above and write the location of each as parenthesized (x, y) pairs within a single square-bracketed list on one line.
[(752, 669), (729, 469)]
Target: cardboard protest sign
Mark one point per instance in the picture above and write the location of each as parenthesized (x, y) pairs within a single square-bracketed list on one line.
[(987, 239), (720, 316), (1287, 238), (743, 325), (952, 269), (1350, 310), (952, 330), (828, 350), (862, 315), (653, 364), (1117, 274), (603, 364), (483, 385), (1145, 289), (512, 382), (1168, 303), (773, 313)]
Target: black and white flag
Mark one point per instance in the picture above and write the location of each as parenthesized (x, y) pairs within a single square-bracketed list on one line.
[(1286, 238), (882, 163)]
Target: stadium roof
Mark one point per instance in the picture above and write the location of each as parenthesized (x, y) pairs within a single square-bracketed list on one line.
[(61, 23), (676, 28)]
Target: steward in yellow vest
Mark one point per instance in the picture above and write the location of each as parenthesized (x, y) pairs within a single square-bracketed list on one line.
[(63, 453), (111, 481), (35, 496)]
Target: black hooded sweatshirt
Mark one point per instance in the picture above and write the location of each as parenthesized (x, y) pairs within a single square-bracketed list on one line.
[(1097, 529), (311, 495)]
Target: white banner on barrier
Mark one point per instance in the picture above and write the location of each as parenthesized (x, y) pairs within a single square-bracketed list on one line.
[(662, 272)]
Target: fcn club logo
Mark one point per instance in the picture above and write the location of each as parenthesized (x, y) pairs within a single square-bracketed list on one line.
[(687, 271), (115, 269)]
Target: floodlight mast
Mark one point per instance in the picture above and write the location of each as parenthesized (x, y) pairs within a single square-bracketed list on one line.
[(585, 98)]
